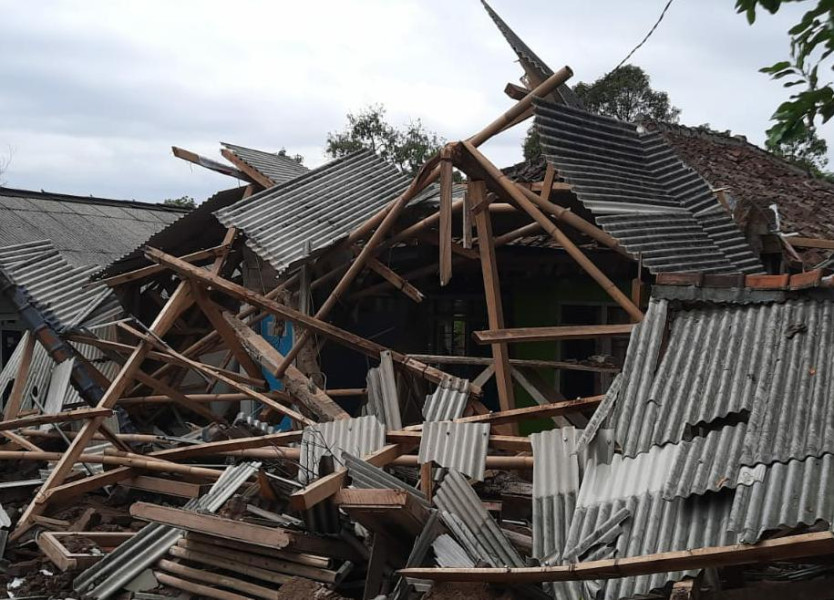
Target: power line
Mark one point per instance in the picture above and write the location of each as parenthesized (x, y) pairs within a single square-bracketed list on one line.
[(645, 39)]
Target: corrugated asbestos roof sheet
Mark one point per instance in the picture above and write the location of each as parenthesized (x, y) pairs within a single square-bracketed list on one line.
[(87, 231), (196, 230), (799, 492), (696, 365), (464, 514), (57, 288), (383, 401), (641, 193), (316, 209), (458, 446), (359, 436), (448, 401), (275, 167)]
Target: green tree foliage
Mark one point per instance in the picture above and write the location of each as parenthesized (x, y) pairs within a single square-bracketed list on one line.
[(626, 94), (182, 202), (407, 148), (808, 152), (812, 43)]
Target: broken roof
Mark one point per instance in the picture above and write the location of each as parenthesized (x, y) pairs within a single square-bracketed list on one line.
[(86, 230), (267, 168)]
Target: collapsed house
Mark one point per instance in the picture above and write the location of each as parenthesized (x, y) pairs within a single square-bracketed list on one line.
[(606, 375)]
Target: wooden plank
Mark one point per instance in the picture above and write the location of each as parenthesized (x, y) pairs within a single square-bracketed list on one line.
[(325, 487), (62, 417), (16, 396), (785, 548), (395, 279), (296, 383), (309, 323), (168, 487), (199, 589), (547, 184), (492, 293), (549, 334), (500, 442), (516, 362), (296, 557), (179, 300), (445, 237)]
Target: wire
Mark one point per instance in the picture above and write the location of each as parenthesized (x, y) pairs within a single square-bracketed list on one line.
[(645, 39)]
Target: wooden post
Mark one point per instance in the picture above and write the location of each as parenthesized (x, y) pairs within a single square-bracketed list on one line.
[(492, 292), (20, 378), (531, 209), (426, 481), (179, 301), (547, 184), (445, 216)]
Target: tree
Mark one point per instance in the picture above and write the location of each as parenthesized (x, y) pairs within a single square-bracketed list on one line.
[(407, 148), (624, 94), (812, 44), (808, 152), (182, 202)]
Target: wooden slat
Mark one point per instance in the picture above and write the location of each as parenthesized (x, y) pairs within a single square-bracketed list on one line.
[(445, 239), (144, 272), (516, 362), (395, 279), (804, 242), (785, 548), (553, 409), (549, 334), (62, 417)]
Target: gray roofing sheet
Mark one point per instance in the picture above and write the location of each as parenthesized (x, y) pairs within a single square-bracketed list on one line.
[(641, 193), (359, 436), (57, 288), (383, 400), (318, 208), (274, 166), (448, 400), (458, 446), (464, 514), (87, 231), (773, 361), (799, 492), (366, 476)]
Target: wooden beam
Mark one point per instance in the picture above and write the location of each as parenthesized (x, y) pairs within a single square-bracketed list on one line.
[(252, 173), (218, 580), (780, 549), (395, 279), (61, 417), (492, 293), (326, 486), (296, 383), (804, 242), (346, 338), (547, 184), (198, 589), (145, 272), (215, 316), (445, 238), (16, 396), (549, 334), (168, 487), (207, 163), (202, 398), (553, 409), (179, 301), (499, 442)]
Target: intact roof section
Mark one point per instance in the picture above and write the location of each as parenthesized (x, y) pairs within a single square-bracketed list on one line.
[(286, 224), (86, 230), (275, 167), (641, 193)]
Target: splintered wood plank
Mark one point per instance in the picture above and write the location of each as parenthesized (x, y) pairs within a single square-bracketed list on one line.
[(492, 292)]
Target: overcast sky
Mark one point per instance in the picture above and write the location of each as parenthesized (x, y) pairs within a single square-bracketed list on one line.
[(94, 93)]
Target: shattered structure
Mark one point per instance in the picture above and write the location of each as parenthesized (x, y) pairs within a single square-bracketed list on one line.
[(597, 377)]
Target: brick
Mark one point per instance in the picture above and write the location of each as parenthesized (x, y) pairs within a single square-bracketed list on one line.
[(767, 282), (809, 279)]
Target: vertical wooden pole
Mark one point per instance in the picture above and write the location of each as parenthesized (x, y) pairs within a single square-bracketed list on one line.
[(426, 482), (492, 291), (179, 300), (466, 214), (20, 378), (445, 216), (547, 184)]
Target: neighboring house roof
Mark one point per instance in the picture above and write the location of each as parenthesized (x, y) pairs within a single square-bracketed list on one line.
[(534, 67), (85, 230), (641, 193), (757, 178), (273, 169), (287, 223)]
